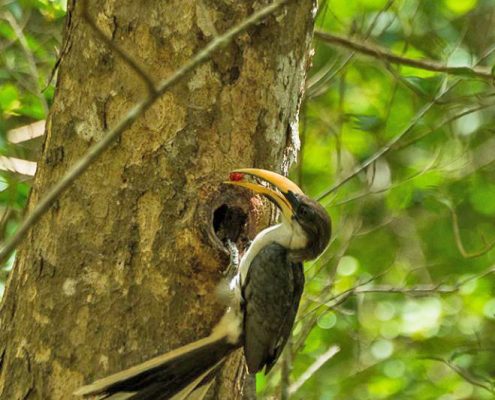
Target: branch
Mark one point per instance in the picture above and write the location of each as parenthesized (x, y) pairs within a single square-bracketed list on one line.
[(98, 148), (463, 374), (26, 132), (381, 53), (402, 145), (18, 166), (443, 123), (342, 296), (313, 368), (30, 59), (385, 149), (370, 192), (126, 57), (420, 290), (323, 76), (458, 239), (286, 369)]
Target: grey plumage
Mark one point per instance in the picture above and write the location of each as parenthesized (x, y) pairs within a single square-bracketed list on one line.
[(272, 291)]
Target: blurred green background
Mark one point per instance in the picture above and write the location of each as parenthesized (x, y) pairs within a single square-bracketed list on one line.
[(402, 305)]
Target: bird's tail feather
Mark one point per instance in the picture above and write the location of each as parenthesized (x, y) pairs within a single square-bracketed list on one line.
[(167, 375), (197, 389)]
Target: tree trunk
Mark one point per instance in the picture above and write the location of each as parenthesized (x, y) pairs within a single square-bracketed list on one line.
[(124, 266)]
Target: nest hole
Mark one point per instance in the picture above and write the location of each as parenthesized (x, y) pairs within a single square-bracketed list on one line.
[(229, 223)]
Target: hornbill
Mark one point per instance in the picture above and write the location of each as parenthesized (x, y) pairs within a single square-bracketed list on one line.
[(265, 294)]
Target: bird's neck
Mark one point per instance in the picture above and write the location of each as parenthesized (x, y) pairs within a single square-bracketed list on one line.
[(288, 234)]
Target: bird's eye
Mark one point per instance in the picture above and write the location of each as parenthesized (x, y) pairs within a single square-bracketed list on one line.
[(303, 211)]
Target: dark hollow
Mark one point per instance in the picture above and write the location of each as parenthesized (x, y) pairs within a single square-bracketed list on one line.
[(228, 222)]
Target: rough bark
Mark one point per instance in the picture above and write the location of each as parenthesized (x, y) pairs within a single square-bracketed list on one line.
[(125, 265)]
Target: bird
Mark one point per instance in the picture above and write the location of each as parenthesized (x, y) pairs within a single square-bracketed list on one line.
[(264, 298)]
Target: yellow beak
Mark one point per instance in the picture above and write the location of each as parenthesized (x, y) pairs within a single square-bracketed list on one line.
[(283, 184)]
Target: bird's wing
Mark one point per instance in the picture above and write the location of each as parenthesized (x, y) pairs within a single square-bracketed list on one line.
[(271, 292), (286, 327)]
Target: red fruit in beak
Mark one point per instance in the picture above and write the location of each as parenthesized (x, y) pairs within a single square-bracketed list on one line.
[(236, 176)]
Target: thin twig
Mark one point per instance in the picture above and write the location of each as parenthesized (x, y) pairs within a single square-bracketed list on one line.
[(30, 59), (463, 374), (413, 291), (286, 369), (443, 123), (362, 195), (4, 219), (420, 290), (381, 53), (385, 149), (342, 296), (458, 239), (98, 148), (125, 56), (313, 368), (318, 86), (346, 234)]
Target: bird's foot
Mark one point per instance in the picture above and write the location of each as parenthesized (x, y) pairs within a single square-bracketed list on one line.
[(234, 258)]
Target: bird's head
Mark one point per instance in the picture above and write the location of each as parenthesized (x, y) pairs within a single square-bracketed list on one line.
[(308, 220)]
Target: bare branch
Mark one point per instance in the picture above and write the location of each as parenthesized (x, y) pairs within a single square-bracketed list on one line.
[(3, 222), (362, 195), (109, 137), (125, 56), (286, 369), (313, 368), (389, 146), (340, 298), (319, 83), (18, 166), (420, 290), (27, 132), (443, 123), (30, 59), (381, 53), (463, 374), (458, 239)]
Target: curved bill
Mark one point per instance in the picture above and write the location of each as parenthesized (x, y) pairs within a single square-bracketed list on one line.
[(284, 185)]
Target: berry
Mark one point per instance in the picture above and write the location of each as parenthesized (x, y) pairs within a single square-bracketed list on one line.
[(236, 176)]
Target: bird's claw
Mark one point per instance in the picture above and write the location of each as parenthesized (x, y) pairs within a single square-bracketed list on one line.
[(234, 257)]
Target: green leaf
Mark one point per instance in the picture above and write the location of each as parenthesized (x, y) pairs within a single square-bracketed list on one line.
[(6, 30), (482, 199), (9, 99), (427, 86), (32, 107)]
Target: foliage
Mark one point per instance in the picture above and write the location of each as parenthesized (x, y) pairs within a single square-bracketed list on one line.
[(412, 316), (30, 33), (405, 289)]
